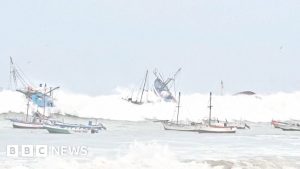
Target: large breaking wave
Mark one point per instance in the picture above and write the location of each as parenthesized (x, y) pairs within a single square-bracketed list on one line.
[(255, 108)]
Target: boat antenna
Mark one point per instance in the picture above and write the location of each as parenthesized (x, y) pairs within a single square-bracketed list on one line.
[(222, 87), (178, 107), (210, 106), (144, 86)]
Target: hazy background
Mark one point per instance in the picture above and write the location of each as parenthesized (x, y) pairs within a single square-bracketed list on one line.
[(94, 46)]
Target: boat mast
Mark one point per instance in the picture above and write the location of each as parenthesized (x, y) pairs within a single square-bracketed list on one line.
[(44, 95), (209, 118), (178, 107), (27, 109), (144, 86), (222, 87)]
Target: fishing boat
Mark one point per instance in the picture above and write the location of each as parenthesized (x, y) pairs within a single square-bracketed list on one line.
[(277, 123), (139, 98), (237, 124), (292, 125), (67, 128), (209, 128), (41, 97), (162, 87)]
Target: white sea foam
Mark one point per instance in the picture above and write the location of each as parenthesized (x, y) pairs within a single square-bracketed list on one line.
[(281, 105), (151, 155)]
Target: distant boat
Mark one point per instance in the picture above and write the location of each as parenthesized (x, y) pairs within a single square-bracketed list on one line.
[(162, 87), (237, 124), (139, 99), (292, 125), (278, 124)]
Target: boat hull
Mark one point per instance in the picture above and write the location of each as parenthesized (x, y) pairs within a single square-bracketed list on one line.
[(200, 128), (56, 130), (69, 130), (180, 127), (217, 130), (290, 128), (26, 125)]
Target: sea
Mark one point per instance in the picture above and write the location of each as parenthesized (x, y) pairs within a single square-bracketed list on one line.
[(134, 140)]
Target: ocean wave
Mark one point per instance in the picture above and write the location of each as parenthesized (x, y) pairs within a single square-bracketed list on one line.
[(262, 108)]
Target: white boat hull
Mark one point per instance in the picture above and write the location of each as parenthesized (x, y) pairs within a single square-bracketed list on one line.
[(68, 130), (289, 127), (27, 125), (210, 129), (181, 127), (201, 128)]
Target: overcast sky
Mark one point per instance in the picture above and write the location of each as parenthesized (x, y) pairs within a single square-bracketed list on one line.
[(94, 46)]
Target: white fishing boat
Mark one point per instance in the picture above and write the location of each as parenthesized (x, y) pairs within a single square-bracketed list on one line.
[(292, 125), (67, 128), (40, 97), (177, 126), (209, 128)]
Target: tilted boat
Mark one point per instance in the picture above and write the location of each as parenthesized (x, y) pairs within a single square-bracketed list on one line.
[(162, 87), (139, 98)]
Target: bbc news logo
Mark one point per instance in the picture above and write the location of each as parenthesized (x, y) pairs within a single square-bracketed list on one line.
[(45, 150)]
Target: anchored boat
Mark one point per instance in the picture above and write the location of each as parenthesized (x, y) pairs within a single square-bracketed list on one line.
[(170, 125), (67, 128), (40, 97), (209, 128)]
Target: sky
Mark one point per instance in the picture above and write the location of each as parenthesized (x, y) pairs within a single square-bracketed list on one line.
[(95, 46)]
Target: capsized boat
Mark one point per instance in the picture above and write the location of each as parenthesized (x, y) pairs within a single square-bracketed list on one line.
[(162, 87)]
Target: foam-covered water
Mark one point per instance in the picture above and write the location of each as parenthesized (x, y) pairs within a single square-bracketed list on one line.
[(143, 145), (260, 108), (133, 143)]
